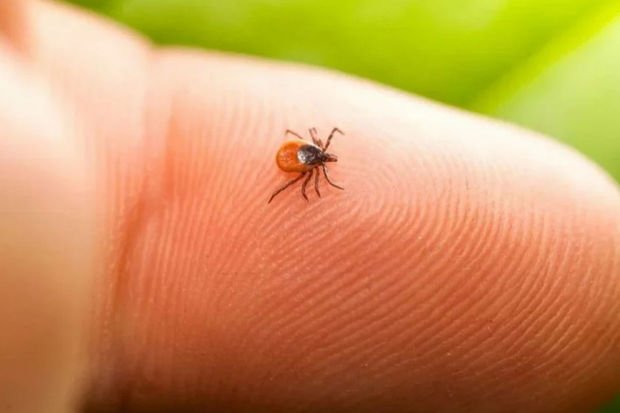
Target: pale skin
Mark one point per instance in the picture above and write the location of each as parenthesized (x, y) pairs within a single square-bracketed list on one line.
[(469, 265)]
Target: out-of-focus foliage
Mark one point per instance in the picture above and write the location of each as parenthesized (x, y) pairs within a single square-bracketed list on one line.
[(569, 89), (551, 65)]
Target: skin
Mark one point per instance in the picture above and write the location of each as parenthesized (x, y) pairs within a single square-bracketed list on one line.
[(469, 266)]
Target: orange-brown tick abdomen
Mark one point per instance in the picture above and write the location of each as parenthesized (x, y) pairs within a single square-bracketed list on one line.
[(287, 158)]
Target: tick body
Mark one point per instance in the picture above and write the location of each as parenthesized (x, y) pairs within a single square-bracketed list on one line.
[(306, 158)]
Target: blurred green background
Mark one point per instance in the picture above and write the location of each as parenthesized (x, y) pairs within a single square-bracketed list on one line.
[(551, 65)]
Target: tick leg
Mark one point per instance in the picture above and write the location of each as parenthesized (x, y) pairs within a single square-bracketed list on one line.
[(303, 186), (329, 180), (312, 134), (331, 135), (316, 183), (315, 139), (288, 131), (286, 186)]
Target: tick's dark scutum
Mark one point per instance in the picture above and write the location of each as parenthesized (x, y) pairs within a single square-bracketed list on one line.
[(310, 155)]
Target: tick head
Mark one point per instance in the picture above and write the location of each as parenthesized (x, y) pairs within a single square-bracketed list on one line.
[(329, 157)]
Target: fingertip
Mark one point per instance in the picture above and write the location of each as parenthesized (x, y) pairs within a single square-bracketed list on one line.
[(473, 235)]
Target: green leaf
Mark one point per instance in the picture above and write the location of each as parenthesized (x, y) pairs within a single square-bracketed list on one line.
[(443, 49), (570, 89)]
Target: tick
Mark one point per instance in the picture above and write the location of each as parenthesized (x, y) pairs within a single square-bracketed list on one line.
[(299, 155)]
